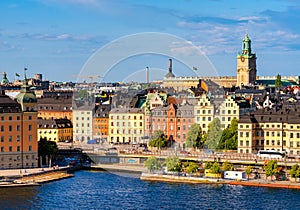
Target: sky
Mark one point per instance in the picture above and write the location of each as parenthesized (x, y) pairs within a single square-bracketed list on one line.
[(58, 38)]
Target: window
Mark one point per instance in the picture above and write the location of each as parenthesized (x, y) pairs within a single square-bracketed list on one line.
[(30, 148), (18, 148), (29, 117), (2, 138), (29, 127), (10, 139), (10, 118), (10, 148), (30, 137), (18, 127), (2, 127), (2, 149)]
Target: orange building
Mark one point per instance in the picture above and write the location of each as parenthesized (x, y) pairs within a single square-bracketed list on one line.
[(101, 122), (174, 120), (18, 130), (55, 108)]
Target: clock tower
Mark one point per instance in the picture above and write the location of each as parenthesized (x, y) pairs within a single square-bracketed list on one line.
[(246, 64)]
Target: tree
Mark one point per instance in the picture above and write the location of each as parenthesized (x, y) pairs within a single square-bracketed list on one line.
[(278, 82), (158, 140), (192, 167), (152, 164), (229, 136), (214, 134), (208, 165), (46, 149), (215, 168), (248, 171), (271, 168), (173, 164), (295, 171), (228, 166), (195, 137)]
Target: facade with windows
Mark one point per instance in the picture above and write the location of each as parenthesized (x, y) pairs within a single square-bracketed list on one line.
[(101, 122), (18, 130), (55, 108), (271, 129), (204, 112), (228, 110), (174, 120), (126, 125), (83, 123), (58, 130)]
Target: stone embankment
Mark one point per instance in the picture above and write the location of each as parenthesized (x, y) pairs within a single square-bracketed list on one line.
[(203, 180), (32, 177), (43, 178), (181, 179), (119, 168)]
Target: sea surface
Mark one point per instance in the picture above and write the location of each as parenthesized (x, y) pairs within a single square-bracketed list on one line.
[(104, 190)]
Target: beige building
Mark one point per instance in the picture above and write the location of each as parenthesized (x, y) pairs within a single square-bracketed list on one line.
[(184, 83), (83, 123)]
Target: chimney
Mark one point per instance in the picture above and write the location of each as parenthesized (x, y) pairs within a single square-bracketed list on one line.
[(147, 74), (170, 65)]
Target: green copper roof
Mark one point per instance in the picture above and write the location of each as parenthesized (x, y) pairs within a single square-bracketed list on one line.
[(26, 96), (4, 79)]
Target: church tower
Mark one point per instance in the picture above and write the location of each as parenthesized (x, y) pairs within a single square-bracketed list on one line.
[(246, 64)]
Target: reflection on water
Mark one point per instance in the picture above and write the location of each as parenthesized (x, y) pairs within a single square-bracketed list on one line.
[(18, 197), (102, 190)]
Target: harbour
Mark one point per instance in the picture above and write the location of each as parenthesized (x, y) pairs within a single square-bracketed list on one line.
[(126, 191)]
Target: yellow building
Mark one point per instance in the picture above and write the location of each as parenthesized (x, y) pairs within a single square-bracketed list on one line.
[(55, 108), (126, 125), (58, 130), (204, 112), (228, 110), (271, 129)]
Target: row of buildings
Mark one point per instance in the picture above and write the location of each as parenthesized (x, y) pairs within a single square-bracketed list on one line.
[(269, 117)]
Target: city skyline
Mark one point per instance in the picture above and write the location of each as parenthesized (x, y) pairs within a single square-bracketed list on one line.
[(56, 38)]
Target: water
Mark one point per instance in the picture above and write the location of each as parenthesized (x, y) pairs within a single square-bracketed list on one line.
[(103, 190)]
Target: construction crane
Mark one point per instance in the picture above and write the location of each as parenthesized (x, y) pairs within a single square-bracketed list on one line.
[(91, 77)]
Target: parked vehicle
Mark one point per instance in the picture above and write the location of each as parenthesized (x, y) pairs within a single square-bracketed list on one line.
[(271, 154), (236, 175)]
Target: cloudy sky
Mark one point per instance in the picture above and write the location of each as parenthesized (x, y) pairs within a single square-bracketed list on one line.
[(58, 37)]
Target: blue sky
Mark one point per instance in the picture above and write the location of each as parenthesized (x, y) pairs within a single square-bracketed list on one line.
[(57, 37)]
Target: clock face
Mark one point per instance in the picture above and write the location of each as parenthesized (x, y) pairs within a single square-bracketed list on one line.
[(242, 58)]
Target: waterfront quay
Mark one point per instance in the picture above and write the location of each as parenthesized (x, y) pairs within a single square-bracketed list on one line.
[(133, 158), (32, 176)]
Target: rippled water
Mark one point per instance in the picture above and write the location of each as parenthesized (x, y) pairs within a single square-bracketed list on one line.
[(102, 190)]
